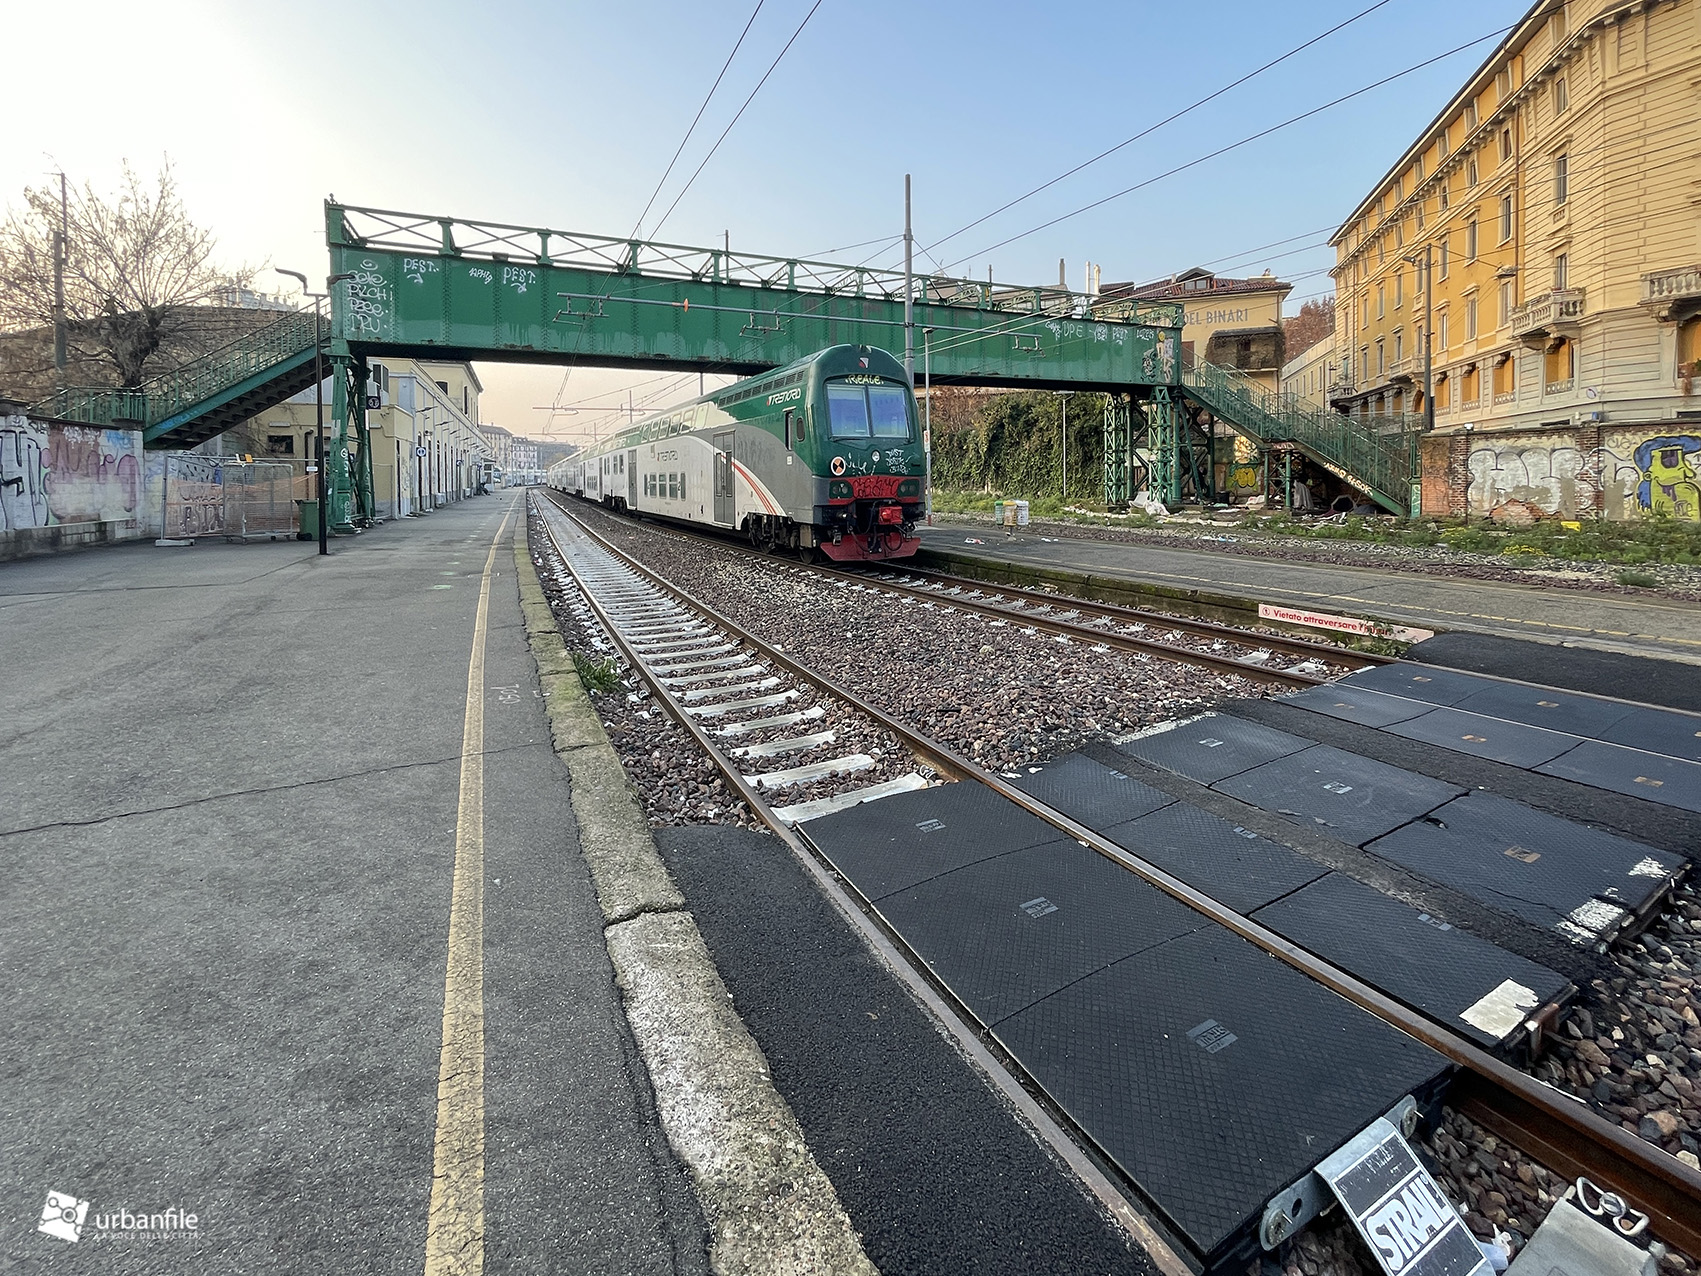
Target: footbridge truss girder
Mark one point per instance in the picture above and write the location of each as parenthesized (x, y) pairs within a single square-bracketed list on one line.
[(444, 288)]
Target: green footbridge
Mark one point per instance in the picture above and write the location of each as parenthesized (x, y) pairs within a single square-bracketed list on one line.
[(429, 287)]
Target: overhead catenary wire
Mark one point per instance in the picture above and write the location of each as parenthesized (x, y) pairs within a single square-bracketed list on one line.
[(1233, 146), (1169, 119), (656, 229), (695, 119)]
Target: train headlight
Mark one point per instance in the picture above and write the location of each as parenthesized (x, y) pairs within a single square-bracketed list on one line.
[(839, 490), (910, 487)]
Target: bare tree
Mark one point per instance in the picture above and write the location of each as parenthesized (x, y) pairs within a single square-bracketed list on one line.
[(1314, 322), (136, 268)]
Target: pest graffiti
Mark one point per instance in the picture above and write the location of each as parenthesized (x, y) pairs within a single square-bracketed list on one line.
[(52, 475), (1667, 469)]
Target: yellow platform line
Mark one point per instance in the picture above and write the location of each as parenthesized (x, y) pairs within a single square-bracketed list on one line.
[(454, 1235)]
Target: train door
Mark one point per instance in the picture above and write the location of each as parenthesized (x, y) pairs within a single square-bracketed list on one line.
[(632, 479), (725, 512)]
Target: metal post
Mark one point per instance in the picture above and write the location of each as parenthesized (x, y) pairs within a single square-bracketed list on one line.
[(1064, 395), (319, 424), (1428, 354), (927, 424), (909, 292), (59, 246)]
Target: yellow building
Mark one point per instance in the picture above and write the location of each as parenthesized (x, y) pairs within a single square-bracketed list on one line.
[(1311, 376), (1555, 199), (1236, 323)]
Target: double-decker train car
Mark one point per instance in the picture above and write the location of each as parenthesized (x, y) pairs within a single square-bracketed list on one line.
[(824, 455)]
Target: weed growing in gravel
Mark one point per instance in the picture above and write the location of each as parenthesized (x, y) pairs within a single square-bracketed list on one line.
[(1641, 580), (599, 676)]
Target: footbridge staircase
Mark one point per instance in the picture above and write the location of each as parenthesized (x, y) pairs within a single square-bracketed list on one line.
[(1378, 454), (207, 395)]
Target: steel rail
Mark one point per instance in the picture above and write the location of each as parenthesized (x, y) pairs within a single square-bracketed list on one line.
[(1528, 1112), (993, 1061), (1067, 629), (1204, 628)]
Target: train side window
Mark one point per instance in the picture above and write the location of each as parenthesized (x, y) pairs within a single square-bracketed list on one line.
[(799, 424), (788, 427)]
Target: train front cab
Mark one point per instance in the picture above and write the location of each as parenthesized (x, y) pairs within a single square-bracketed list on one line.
[(871, 457)]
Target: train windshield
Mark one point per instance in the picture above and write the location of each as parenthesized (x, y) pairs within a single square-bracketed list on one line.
[(880, 411)]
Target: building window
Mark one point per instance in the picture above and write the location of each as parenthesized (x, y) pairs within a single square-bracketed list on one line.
[(1381, 363), (466, 401), (280, 444), (1503, 84), (1506, 143), (1505, 381), (1441, 145), (1399, 289), (1364, 312), (1471, 114), (1441, 330), (1443, 392), (1399, 189), (1471, 171), (1381, 250), (1471, 240), (1399, 345), (1561, 98), (1442, 197), (1363, 358), (1561, 271), (1400, 234), (1381, 300), (1468, 392), (1506, 300), (1561, 364), (1561, 178), (1420, 218), (1505, 218), (1443, 262), (1417, 170), (1471, 318)]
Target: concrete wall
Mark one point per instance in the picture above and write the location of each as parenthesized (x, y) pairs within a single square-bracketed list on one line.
[(63, 485), (1585, 472)]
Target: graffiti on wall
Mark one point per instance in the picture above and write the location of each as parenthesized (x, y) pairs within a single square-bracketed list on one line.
[(54, 475), (194, 497), (1519, 478), (1666, 467)]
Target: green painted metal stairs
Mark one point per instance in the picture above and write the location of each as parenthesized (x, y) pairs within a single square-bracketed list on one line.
[(208, 395), (1379, 454)]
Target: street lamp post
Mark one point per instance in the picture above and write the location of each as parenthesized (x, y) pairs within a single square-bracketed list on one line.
[(318, 391), (1423, 262), (1064, 395), (927, 423)]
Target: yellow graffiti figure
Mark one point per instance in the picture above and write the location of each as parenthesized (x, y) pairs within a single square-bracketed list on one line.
[(1672, 489)]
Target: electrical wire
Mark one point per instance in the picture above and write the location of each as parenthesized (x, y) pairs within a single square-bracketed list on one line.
[(1232, 146), (656, 229), (694, 120), (1146, 132)]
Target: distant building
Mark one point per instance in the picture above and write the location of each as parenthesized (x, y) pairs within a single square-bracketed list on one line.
[(1554, 198), (1236, 323), (1309, 376)]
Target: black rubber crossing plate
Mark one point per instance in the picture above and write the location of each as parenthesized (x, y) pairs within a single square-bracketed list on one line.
[(1008, 931), (1353, 798), (1232, 865), (1528, 864), (1213, 747), (1496, 739), (897, 841), (1677, 735), (1545, 707), (1416, 682), (1654, 776), (1456, 978), (1090, 792), (1213, 1074), (1358, 704)]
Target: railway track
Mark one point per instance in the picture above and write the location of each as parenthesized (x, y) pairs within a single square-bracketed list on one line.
[(1222, 648), (753, 710)]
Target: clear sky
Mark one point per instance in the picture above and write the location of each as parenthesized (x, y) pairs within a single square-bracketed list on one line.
[(566, 114)]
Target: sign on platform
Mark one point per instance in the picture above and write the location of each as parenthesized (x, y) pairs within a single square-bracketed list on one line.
[(419, 450), (1342, 624), (1401, 1211)]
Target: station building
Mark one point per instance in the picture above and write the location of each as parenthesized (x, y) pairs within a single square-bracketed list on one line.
[(1555, 202)]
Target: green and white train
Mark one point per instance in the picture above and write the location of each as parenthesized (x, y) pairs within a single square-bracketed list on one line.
[(823, 455)]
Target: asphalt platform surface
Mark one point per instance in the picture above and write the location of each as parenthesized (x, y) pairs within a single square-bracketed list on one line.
[(229, 779), (1666, 628)]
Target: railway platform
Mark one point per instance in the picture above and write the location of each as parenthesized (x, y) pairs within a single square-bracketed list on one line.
[(237, 814), (1603, 621)]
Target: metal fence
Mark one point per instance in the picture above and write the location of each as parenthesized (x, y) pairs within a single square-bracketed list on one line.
[(215, 496)]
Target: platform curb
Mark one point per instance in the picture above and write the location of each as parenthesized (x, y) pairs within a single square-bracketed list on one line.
[(769, 1207)]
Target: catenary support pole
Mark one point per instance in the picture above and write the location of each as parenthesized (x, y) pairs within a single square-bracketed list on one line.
[(909, 291)]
